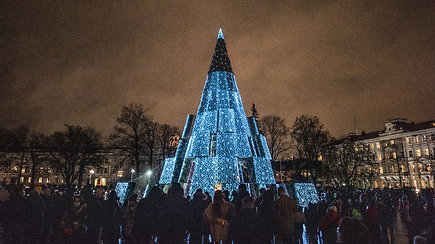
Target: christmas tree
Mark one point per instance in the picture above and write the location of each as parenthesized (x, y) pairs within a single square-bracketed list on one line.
[(220, 147)]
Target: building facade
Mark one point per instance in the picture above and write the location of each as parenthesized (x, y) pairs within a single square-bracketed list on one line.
[(403, 155)]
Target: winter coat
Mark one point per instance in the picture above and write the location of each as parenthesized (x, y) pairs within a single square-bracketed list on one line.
[(285, 207), (269, 220), (174, 219), (246, 227), (219, 225), (328, 225)]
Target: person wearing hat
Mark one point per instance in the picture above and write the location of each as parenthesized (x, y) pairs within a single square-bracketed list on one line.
[(328, 225)]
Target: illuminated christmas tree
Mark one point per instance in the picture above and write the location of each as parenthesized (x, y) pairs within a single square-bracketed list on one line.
[(220, 147)]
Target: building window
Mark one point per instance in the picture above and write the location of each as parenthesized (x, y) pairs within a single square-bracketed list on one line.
[(40, 180), (394, 155), (392, 142), (106, 171), (426, 151), (381, 171), (418, 152), (120, 173), (372, 146), (378, 145), (424, 138), (432, 137), (410, 154), (416, 139), (408, 140), (379, 156)]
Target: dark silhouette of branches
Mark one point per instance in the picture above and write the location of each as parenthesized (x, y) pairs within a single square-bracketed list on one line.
[(276, 132), (130, 135), (308, 136), (73, 149)]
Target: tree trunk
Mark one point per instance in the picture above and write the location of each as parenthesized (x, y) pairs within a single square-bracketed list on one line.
[(80, 178), (33, 175), (20, 168)]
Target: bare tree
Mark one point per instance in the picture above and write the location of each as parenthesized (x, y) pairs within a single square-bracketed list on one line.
[(5, 148), (151, 142), (20, 143), (308, 136), (72, 150), (276, 132), (343, 160), (38, 154), (128, 138), (166, 132)]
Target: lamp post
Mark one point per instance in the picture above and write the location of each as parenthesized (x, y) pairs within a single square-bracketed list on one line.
[(91, 172), (132, 173)]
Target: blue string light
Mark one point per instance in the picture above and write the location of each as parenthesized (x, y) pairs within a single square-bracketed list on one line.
[(305, 193), (224, 149)]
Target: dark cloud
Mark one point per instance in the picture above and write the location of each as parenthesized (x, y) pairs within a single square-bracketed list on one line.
[(78, 62)]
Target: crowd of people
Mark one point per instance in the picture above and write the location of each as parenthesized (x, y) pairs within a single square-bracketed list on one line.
[(87, 215)]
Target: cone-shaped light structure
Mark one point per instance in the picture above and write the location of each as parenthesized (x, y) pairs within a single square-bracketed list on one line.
[(223, 148)]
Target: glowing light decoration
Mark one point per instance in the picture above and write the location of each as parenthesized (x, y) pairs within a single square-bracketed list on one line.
[(224, 148), (124, 190), (303, 193), (168, 171), (306, 193)]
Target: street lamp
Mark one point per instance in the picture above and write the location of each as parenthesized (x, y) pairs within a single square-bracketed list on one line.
[(91, 172), (132, 173), (149, 172)]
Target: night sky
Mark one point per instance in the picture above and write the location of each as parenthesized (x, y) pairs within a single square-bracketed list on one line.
[(78, 62)]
